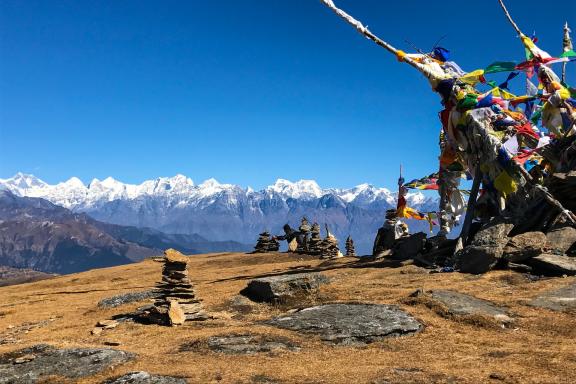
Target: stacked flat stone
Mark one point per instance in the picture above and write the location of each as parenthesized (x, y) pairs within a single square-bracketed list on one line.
[(305, 232), (330, 249), (315, 242), (350, 250), (177, 301), (266, 243)]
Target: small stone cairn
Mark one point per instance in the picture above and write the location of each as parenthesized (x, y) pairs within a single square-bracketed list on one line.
[(177, 302), (304, 230), (350, 250), (266, 243), (330, 248), (315, 242)]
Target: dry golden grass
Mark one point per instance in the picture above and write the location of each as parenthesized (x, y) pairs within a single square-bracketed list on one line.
[(539, 348)]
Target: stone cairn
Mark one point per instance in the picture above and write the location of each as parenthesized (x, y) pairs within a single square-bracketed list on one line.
[(315, 242), (350, 251), (330, 248), (266, 243), (177, 302), (304, 230)]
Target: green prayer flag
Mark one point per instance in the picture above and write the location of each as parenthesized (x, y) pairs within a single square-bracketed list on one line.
[(500, 66), (568, 54)]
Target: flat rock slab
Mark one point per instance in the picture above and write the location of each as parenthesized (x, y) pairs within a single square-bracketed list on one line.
[(127, 298), (240, 344), (460, 304), (283, 287), (554, 265), (350, 324), (249, 344), (143, 377), (563, 299), (32, 364)]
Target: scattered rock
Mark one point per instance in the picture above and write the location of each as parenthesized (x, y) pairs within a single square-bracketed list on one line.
[(562, 239), (96, 331), (555, 265), (49, 361), (142, 377), (563, 299), (131, 297), (24, 359), (459, 305), (351, 323), (107, 324), (524, 246), (283, 287)]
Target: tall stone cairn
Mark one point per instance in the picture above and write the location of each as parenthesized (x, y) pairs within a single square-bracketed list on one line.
[(330, 249), (266, 243), (177, 302), (315, 242), (305, 231), (350, 250)]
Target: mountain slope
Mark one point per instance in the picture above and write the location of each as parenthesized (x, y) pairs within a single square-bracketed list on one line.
[(37, 234), (224, 211)]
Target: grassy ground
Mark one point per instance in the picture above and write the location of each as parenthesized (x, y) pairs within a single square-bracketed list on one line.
[(539, 348)]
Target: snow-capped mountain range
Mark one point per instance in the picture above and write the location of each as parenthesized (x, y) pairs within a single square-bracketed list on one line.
[(222, 211)]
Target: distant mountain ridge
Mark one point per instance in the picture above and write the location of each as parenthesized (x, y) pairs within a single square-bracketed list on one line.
[(37, 234), (223, 211)]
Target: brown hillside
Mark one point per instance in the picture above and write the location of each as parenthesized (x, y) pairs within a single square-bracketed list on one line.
[(538, 348)]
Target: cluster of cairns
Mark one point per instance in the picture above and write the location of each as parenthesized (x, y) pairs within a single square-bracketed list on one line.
[(307, 240), (177, 300)]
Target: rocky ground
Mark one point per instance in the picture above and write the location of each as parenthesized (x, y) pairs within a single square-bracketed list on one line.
[(365, 322)]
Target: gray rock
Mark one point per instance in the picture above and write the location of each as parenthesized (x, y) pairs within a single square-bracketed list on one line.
[(554, 265), (562, 240), (249, 344), (493, 234), (477, 259), (143, 377), (485, 249), (459, 304), (351, 323), (524, 246), (126, 298), (409, 247), (49, 361), (563, 299), (283, 287)]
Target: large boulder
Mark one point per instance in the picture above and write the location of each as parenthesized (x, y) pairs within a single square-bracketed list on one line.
[(554, 265), (409, 247), (37, 363), (284, 287), (349, 324), (486, 248), (524, 246), (562, 240)]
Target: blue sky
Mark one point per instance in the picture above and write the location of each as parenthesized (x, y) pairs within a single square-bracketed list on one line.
[(243, 91)]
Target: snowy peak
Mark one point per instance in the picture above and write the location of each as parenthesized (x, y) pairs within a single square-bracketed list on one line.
[(21, 182), (180, 190), (297, 190)]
